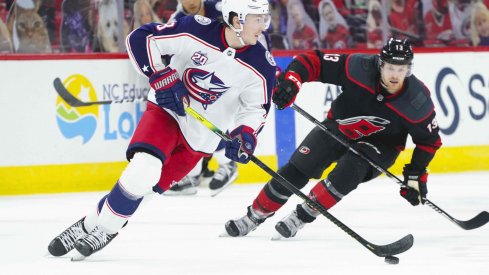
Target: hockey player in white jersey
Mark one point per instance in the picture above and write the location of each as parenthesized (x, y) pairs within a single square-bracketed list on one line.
[(220, 71)]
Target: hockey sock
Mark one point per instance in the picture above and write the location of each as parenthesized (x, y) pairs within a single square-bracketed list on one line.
[(117, 209), (322, 193), (274, 194)]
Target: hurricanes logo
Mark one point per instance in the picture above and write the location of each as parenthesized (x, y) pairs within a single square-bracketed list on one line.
[(203, 86), (77, 121), (361, 126)]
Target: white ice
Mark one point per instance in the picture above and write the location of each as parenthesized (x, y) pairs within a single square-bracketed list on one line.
[(179, 235)]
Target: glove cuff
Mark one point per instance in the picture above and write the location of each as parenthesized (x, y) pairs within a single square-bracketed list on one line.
[(295, 78), (163, 79), (247, 135)]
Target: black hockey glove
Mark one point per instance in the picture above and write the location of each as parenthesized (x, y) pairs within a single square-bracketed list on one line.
[(288, 88), (416, 189)]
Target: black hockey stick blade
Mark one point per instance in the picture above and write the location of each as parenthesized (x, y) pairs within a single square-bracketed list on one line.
[(71, 99), (481, 219), (394, 248), (397, 247)]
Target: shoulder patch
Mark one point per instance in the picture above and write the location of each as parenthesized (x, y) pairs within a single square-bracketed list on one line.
[(202, 20), (270, 58), (219, 6)]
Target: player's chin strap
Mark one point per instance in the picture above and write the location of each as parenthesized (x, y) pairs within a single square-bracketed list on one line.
[(238, 32)]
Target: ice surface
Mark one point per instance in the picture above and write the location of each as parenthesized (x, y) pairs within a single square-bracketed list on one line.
[(179, 235)]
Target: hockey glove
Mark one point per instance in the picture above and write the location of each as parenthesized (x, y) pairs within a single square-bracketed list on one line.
[(170, 90), (416, 189), (288, 88), (241, 145)]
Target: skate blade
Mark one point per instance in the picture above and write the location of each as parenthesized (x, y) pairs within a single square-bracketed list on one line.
[(224, 234), (180, 193), (77, 256), (276, 237)]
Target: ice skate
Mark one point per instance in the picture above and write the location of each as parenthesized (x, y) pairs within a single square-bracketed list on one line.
[(246, 224), (289, 226), (223, 177), (186, 187), (65, 241), (93, 242)]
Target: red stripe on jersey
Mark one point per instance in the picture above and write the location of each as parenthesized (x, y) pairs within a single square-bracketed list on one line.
[(407, 118), (190, 36), (428, 149), (322, 195), (264, 204), (264, 81), (347, 64), (312, 64)]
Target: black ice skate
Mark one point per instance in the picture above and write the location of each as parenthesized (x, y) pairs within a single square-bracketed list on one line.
[(290, 225), (223, 177), (246, 224), (187, 186), (65, 241), (93, 242)]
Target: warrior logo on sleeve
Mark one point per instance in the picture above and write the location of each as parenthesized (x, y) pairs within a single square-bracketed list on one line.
[(361, 126), (203, 86)]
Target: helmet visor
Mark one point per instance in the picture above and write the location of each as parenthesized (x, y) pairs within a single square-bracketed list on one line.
[(258, 20)]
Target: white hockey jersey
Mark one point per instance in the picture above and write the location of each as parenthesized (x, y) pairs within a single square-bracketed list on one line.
[(229, 87)]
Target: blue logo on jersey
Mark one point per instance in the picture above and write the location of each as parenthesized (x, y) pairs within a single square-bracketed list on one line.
[(203, 86)]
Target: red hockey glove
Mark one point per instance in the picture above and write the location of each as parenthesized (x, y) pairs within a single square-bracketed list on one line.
[(241, 145), (416, 189), (170, 91), (288, 88)]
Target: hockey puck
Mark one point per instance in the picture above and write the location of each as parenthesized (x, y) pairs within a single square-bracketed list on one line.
[(391, 260)]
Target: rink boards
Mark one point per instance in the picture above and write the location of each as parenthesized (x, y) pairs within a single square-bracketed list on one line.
[(49, 146)]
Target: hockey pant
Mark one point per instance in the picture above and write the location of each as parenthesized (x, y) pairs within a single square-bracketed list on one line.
[(314, 155)]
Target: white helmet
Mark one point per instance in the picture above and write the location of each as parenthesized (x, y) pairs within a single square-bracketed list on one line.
[(243, 8)]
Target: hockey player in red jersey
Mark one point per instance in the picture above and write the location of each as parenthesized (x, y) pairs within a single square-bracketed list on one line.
[(222, 72), (380, 105)]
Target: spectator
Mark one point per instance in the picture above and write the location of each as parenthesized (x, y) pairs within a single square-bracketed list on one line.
[(5, 42), (437, 24), (404, 19), (207, 8), (333, 29), (479, 25), (459, 11), (356, 19), (376, 25), (277, 36), (143, 13), (29, 32), (301, 33), (111, 27), (76, 30)]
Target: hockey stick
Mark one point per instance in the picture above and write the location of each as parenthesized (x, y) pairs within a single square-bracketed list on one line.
[(478, 221), (397, 247), (76, 102)]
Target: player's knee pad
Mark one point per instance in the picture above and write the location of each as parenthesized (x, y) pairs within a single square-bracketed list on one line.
[(293, 175), (141, 174)]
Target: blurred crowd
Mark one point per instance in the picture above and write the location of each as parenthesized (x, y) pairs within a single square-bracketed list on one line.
[(53, 26)]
